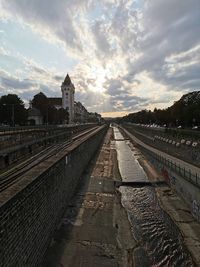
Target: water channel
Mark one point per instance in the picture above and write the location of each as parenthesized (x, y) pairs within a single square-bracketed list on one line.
[(159, 240)]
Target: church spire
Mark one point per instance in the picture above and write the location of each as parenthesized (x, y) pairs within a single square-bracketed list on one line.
[(67, 80), (68, 91)]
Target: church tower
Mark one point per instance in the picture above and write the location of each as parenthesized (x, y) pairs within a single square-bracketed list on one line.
[(68, 91)]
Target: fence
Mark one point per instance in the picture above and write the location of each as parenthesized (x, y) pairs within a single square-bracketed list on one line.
[(187, 174)]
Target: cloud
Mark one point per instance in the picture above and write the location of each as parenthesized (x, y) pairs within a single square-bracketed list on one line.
[(4, 52), (122, 95), (135, 54), (27, 87), (49, 16), (11, 82), (58, 78), (169, 28), (100, 31)]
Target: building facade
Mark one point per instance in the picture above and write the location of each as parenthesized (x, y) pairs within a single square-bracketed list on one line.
[(77, 112), (56, 102), (34, 117), (80, 113), (68, 91)]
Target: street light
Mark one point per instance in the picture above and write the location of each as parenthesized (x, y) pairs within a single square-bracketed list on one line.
[(13, 112)]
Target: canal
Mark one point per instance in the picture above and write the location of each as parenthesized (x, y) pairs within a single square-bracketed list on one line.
[(159, 241)]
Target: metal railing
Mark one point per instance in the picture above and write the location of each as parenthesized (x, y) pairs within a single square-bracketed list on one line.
[(190, 175), (41, 127), (187, 174)]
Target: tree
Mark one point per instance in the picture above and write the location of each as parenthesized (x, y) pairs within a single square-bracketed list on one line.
[(50, 114), (63, 115), (184, 112), (12, 110), (40, 101)]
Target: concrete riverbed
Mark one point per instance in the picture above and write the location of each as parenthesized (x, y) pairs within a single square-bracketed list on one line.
[(105, 226), (160, 242)]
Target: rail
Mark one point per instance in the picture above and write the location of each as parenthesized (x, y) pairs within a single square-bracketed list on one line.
[(12, 144), (20, 129), (13, 175)]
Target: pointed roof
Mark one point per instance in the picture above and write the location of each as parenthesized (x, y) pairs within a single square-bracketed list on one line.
[(67, 80)]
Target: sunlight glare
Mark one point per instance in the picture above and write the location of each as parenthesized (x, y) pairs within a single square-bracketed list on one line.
[(98, 74)]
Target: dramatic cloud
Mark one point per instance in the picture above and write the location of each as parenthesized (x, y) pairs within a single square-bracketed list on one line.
[(169, 28), (49, 16), (129, 55)]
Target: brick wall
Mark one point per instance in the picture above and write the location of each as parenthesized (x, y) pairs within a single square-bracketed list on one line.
[(29, 218)]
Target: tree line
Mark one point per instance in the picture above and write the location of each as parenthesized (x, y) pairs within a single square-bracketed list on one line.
[(13, 111), (185, 112)]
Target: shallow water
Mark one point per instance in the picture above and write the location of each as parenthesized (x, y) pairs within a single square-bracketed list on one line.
[(130, 169), (160, 242)]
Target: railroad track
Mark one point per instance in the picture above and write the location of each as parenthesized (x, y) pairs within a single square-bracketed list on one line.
[(13, 175)]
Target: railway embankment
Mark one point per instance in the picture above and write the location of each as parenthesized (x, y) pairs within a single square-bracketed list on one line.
[(31, 207), (19, 143), (94, 230)]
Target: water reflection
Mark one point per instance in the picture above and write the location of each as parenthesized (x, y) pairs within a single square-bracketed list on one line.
[(160, 242), (129, 167)]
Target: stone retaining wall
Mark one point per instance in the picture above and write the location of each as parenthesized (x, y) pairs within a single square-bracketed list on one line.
[(189, 192), (15, 146)]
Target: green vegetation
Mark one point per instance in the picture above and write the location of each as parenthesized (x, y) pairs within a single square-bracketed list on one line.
[(184, 112), (50, 114), (12, 110)]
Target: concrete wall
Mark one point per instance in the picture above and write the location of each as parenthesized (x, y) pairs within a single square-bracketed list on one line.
[(189, 192), (184, 182), (13, 154), (29, 218), (16, 146), (182, 151)]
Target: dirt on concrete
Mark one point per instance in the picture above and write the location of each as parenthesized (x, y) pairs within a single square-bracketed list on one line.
[(95, 230)]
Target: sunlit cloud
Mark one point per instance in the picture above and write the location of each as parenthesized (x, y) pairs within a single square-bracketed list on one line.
[(122, 55)]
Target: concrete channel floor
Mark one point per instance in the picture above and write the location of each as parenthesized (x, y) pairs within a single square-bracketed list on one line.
[(95, 230)]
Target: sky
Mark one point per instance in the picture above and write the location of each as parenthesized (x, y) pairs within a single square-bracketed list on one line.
[(122, 56)]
